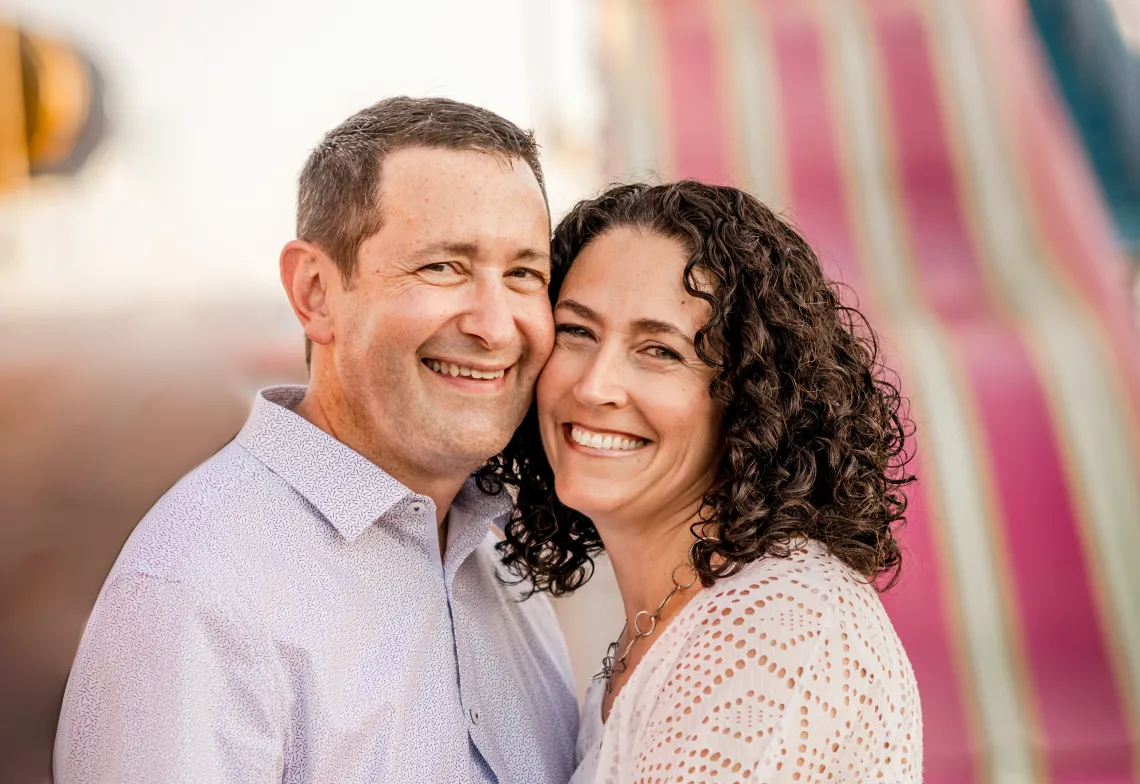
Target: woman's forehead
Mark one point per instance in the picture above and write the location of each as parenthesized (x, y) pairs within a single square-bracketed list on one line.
[(628, 275)]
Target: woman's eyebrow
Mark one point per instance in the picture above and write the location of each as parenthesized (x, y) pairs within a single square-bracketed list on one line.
[(643, 325), (657, 327), (578, 309)]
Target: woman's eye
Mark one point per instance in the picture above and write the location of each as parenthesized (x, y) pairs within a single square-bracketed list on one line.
[(660, 352), (572, 330)]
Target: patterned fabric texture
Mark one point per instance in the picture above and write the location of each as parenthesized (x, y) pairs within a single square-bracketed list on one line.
[(283, 615), (788, 671)]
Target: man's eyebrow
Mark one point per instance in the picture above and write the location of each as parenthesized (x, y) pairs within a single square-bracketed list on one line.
[(470, 250), (533, 254), (467, 249)]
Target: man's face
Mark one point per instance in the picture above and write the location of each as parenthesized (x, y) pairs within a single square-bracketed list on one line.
[(441, 333)]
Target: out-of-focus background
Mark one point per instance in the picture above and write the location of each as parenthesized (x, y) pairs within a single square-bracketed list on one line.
[(971, 168)]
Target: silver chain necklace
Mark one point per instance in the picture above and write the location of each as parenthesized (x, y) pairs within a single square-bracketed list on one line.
[(615, 665)]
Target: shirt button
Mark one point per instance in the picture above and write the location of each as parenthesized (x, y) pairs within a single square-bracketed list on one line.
[(417, 508), (476, 716)]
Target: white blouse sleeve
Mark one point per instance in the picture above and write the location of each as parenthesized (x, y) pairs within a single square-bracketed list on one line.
[(784, 682)]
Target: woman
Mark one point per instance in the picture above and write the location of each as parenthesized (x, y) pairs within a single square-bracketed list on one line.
[(711, 418)]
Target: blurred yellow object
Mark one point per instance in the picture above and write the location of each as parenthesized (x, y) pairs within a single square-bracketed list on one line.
[(62, 102), (51, 105), (13, 128)]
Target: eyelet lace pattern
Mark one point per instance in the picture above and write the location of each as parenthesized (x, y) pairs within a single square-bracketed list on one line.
[(789, 671)]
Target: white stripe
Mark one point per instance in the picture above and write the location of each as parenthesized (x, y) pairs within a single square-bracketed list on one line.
[(967, 530), (863, 138), (753, 97), (948, 432), (651, 157), (632, 74), (1070, 354)]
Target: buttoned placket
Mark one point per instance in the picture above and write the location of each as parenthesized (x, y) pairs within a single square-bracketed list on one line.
[(421, 510), (468, 694), (462, 546)]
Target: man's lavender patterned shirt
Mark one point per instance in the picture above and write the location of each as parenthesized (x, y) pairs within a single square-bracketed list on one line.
[(282, 615)]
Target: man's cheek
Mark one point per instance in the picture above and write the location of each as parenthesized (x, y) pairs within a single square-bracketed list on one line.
[(542, 332)]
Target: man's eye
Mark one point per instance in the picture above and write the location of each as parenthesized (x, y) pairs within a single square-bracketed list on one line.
[(524, 272), (442, 266)]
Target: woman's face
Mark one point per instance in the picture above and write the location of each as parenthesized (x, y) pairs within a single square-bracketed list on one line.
[(627, 421)]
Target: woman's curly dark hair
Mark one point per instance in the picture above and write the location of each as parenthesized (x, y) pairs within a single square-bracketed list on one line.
[(815, 437)]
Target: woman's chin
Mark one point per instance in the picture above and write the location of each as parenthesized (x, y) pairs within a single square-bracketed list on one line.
[(592, 497)]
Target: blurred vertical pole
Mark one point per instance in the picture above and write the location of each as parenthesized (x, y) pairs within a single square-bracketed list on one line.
[(540, 80)]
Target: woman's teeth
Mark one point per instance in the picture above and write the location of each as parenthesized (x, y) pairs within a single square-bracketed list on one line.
[(448, 369), (598, 441)]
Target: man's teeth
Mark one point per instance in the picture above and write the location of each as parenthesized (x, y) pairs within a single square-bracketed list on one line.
[(448, 369), (598, 441)]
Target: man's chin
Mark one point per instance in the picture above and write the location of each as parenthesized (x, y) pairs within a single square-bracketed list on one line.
[(470, 444)]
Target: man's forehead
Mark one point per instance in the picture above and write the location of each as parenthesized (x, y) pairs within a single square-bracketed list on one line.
[(521, 251), (410, 170), (441, 197)]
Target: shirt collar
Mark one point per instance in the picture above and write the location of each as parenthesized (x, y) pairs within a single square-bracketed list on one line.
[(349, 490), (469, 520)]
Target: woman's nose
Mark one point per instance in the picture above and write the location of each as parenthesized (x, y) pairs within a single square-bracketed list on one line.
[(601, 385)]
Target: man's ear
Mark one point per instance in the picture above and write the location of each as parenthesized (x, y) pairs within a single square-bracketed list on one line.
[(308, 276)]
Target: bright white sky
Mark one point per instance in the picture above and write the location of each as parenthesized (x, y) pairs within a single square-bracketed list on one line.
[(214, 105)]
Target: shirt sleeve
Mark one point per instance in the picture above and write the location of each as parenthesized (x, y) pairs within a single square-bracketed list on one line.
[(773, 688), (169, 687)]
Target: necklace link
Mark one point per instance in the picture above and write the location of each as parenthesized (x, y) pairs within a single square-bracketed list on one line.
[(613, 664), (652, 622)]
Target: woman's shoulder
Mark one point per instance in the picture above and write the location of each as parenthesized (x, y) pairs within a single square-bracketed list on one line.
[(805, 601), (806, 622), (806, 576), (788, 653)]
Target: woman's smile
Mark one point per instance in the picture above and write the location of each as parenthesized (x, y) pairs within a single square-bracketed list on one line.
[(602, 443)]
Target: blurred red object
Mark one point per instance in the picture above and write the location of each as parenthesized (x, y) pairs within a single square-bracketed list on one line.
[(98, 418)]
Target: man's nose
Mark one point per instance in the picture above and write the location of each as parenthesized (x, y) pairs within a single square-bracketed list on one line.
[(490, 318)]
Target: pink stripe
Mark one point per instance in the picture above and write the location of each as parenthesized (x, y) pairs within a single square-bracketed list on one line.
[(819, 203), (917, 608), (1080, 710), (1080, 706), (696, 114), (1071, 215), (817, 195), (946, 263)]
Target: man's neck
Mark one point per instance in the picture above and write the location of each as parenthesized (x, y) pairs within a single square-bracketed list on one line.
[(439, 485)]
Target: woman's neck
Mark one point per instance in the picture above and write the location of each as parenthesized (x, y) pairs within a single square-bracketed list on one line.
[(646, 555)]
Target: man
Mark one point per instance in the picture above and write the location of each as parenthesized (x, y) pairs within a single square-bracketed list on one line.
[(319, 602)]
